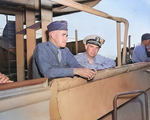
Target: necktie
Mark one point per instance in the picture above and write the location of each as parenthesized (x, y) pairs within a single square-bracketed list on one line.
[(59, 55)]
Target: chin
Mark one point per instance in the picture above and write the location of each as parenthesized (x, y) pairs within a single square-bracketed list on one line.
[(63, 46), (92, 56)]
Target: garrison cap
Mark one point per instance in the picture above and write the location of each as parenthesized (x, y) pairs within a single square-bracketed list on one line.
[(57, 25), (145, 36), (94, 39)]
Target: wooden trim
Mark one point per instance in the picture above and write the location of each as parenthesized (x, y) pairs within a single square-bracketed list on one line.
[(20, 49), (31, 43), (22, 83)]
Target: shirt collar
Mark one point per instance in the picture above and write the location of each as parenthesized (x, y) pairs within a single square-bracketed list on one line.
[(53, 47), (94, 59)]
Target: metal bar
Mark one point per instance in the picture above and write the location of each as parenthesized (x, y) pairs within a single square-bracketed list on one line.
[(76, 35), (127, 93), (118, 44), (129, 44)]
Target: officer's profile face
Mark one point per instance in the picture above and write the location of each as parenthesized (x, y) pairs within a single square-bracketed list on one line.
[(59, 38), (91, 50)]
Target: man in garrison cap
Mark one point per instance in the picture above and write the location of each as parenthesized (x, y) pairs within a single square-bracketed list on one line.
[(140, 53), (90, 58), (53, 59)]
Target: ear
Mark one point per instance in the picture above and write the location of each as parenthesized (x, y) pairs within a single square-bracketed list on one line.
[(49, 34), (53, 35), (85, 47)]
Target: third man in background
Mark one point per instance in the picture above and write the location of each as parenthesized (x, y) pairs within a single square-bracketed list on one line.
[(140, 51)]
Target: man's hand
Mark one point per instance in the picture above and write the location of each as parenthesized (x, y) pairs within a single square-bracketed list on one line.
[(85, 72), (4, 79)]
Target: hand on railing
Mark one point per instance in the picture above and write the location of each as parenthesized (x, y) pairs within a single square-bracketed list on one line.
[(4, 79)]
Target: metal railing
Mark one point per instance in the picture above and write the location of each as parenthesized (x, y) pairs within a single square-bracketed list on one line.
[(127, 93)]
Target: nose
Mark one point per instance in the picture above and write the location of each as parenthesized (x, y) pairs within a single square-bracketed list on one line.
[(66, 39), (94, 49)]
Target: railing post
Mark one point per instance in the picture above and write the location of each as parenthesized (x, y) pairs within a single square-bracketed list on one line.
[(127, 93)]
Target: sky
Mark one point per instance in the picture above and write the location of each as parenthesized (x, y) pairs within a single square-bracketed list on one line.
[(137, 12)]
